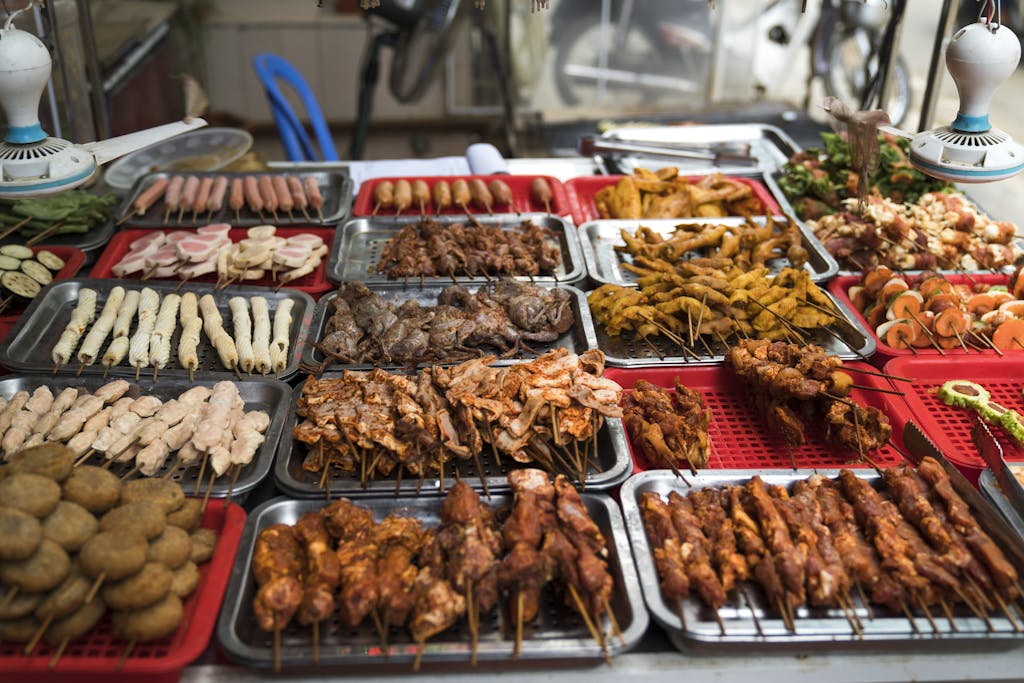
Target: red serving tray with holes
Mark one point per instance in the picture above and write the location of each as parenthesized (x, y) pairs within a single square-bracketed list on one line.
[(519, 184), (73, 259), (738, 438), (840, 288), (950, 427), (315, 284), (95, 657), (581, 193)]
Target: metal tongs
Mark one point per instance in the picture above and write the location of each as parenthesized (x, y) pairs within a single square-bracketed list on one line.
[(992, 453), (723, 154)]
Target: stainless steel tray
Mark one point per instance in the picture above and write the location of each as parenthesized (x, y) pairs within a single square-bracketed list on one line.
[(336, 188), (358, 244), (268, 395), (604, 264), (559, 635), (577, 340), (824, 629), (990, 487), (628, 351), (612, 467), (769, 145), (29, 345)]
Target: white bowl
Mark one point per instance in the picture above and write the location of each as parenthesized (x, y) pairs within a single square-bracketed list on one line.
[(206, 149)]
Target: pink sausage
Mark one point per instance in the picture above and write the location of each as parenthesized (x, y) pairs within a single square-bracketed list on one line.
[(149, 197), (298, 194), (173, 194), (316, 200), (188, 193), (237, 199), (203, 195), (284, 196), (216, 200), (268, 194), (252, 194)]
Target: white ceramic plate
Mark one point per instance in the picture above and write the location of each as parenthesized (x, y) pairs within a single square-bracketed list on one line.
[(206, 149)]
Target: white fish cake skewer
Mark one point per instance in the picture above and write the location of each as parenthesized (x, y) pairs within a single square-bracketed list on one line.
[(81, 317), (243, 332), (98, 333), (282, 329)]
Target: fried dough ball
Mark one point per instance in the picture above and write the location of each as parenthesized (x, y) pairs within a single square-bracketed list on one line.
[(22, 604), (46, 568), (76, 624), (32, 493), (51, 460), (94, 488), (143, 517), (113, 555), (20, 534), (142, 589), (166, 494), (171, 548), (189, 516), (70, 526), (19, 630), (185, 580), (204, 542), (66, 598), (152, 623)]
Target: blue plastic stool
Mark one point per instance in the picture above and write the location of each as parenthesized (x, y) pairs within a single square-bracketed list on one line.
[(297, 143)]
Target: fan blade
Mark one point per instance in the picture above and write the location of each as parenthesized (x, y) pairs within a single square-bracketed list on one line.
[(108, 150)]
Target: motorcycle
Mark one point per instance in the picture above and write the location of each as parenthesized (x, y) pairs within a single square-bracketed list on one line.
[(644, 51)]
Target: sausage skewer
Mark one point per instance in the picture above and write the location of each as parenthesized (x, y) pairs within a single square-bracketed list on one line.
[(442, 196), (540, 191), (298, 195), (461, 195), (383, 196), (146, 199), (252, 195), (316, 200), (501, 192), (188, 195), (284, 195), (266, 186), (403, 195), (420, 195), (202, 196), (216, 200), (480, 194), (236, 199), (173, 196)]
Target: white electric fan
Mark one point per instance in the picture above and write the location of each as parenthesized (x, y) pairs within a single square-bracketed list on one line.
[(980, 57), (31, 162)]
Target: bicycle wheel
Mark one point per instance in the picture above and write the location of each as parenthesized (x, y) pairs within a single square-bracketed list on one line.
[(853, 64)]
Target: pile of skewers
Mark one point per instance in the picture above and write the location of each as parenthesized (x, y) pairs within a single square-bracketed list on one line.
[(751, 244), (672, 428), (790, 383), (931, 311), (187, 255), (418, 196), (914, 545), (547, 411), (428, 248), (78, 544), (252, 347), (201, 426), (427, 580), (507, 316), (714, 298), (262, 195)]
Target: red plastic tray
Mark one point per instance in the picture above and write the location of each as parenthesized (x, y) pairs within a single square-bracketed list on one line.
[(315, 284), (519, 184), (840, 288), (949, 427), (581, 193), (73, 259), (738, 439), (94, 658)]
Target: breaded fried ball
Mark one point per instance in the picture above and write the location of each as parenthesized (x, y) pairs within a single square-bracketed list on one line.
[(171, 548), (185, 580), (94, 488), (22, 604), (166, 494), (189, 516), (76, 624), (113, 555), (65, 598), (70, 526), (43, 570), (20, 534), (32, 493), (51, 460), (204, 542), (143, 518), (152, 623), (142, 589)]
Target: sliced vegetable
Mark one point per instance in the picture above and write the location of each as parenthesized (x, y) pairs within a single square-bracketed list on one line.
[(893, 287), (20, 285), (1010, 420), (898, 334), (50, 260), (16, 251), (1009, 335), (9, 263), (963, 393), (37, 271), (952, 322), (905, 305)]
